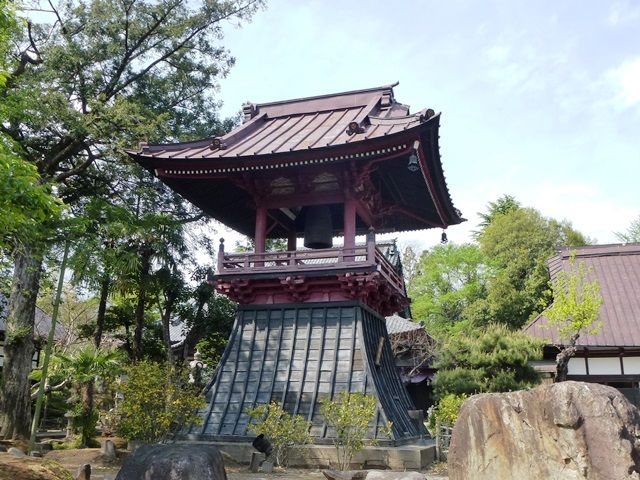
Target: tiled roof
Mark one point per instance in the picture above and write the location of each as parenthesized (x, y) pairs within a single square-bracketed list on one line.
[(617, 269), (303, 124), (397, 324), (291, 152)]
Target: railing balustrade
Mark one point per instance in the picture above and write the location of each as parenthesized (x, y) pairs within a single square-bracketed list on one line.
[(301, 261)]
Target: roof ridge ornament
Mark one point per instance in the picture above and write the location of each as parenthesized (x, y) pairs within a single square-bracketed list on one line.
[(249, 110), (355, 127), (387, 98), (427, 114), (217, 143)]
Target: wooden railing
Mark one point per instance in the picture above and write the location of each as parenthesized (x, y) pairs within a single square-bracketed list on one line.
[(305, 261)]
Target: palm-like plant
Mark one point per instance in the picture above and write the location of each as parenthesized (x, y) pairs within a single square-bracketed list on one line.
[(84, 368)]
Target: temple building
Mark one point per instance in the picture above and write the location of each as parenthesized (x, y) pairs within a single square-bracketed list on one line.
[(310, 321), (611, 355)]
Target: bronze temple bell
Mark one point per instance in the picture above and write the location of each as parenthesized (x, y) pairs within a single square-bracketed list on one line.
[(318, 228)]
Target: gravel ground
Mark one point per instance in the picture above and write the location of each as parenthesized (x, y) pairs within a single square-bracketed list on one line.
[(72, 459)]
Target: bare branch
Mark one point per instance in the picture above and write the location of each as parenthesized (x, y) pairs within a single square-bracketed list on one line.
[(179, 46)]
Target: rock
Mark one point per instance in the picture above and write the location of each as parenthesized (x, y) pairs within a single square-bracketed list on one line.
[(568, 430), (345, 475), (16, 452), (170, 462), (256, 460), (389, 475), (371, 475), (108, 452), (266, 467), (84, 472)]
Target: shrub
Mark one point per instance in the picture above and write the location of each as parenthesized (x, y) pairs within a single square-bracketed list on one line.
[(496, 359), (349, 415), (281, 429), (156, 400), (446, 411)]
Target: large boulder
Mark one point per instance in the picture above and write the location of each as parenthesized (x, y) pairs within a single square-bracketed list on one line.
[(568, 430), (173, 462)]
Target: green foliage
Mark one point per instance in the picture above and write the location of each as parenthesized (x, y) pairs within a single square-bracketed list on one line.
[(632, 234), (212, 323), (503, 279), (156, 400), (502, 206), (493, 360), (212, 347), (88, 364), (349, 415), (449, 278), (101, 77), (446, 411), (271, 245), (280, 428), (518, 244), (84, 368), (8, 27), (576, 302), (409, 266), (25, 202)]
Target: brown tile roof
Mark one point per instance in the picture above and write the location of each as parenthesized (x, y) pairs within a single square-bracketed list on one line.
[(397, 324), (291, 150), (617, 268), (303, 124)]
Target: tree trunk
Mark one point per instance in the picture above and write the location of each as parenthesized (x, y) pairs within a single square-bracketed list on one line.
[(88, 428), (166, 324), (195, 333), (145, 266), (102, 309), (562, 360), (15, 408)]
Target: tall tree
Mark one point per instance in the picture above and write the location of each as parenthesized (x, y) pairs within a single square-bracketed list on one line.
[(574, 311), (449, 278), (518, 245), (105, 75), (502, 206)]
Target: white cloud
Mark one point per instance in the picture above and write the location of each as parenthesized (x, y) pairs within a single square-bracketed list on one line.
[(623, 12), (581, 203), (498, 53), (625, 81)]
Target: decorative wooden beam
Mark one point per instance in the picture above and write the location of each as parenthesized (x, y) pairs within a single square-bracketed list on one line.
[(304, 199)]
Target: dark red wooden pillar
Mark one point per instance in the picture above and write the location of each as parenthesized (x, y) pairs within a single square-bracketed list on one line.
[(261, 229), (291, 240), (349, 222)]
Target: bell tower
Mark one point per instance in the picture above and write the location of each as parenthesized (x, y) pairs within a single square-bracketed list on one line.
[(310, 321)]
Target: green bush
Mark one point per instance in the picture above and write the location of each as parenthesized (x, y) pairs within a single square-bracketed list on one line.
[(349, 415), (495, 359), (446, 411), (157, 399), (280, 428)]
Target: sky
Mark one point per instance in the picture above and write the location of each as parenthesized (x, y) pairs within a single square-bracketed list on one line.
[(539, 100)]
